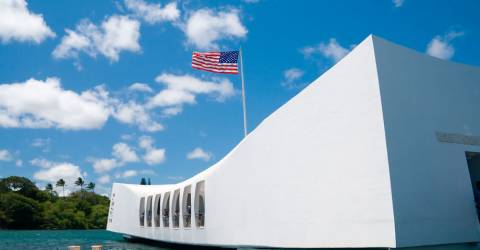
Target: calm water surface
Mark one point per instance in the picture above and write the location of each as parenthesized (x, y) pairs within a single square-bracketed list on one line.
[(61, 239)]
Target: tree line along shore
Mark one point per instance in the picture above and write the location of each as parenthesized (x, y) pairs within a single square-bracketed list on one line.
[(24, 206)]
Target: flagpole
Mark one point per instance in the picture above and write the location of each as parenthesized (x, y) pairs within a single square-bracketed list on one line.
[(243, 95)]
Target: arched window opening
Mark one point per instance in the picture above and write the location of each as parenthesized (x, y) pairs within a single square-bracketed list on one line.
[(176, 209), (187, 206), (166, 209), (141, 212), (149, 211), (200, 204), (157, 209)]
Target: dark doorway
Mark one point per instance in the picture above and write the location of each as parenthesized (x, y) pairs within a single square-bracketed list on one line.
[(473, 161)]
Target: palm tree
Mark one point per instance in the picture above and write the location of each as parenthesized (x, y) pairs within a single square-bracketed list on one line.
[(80, 182), (91, 186), (61, 183), (49, 188)]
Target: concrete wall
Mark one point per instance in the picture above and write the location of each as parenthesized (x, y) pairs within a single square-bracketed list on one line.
[(421, 95), (317, 172), (313, 174)]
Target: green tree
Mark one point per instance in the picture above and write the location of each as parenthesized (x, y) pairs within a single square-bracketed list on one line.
[(98, 217), (49, 188), (20, 185), (61, 183), (4, 219), (64, 214), (143, 181), (91, 186), (80, 182), (148, 182), (49, 192), (78, 210), (20, 212)]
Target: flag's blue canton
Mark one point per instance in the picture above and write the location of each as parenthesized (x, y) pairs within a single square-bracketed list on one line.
[(229, 57)]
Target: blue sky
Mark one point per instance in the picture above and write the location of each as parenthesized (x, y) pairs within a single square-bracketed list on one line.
[(104, 89)]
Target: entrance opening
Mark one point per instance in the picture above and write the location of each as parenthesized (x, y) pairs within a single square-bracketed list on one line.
[(166, 209), (157, 209), (149, 211), (176, 209), (200, 204), (187, 206), (473, 161), (141, 211)]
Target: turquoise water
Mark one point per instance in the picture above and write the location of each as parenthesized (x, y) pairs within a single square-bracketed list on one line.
[(61, 239)]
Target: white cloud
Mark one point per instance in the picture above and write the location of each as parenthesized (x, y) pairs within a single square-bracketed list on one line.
[(148, 172), (5, 155), (141, 87), (173, 101), (204, 28), (40, 142), (398, 3), (67, 171), (176, 178), (153, 13), (124, 153), (126, 137), (44, 104), (441, 47), (331, 50), (43, 163), (172, 97), (104, 179), (291, 76), (145, 142), (18, 23), (134, 113), (172, 111), (152, 156), (73, 43), (126, 174), (182, 89), (105, 165), (199, 153), (129, 173), (219, 88), (114, 35)]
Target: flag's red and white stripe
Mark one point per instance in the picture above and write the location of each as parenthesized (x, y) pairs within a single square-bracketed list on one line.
[(210, 61)]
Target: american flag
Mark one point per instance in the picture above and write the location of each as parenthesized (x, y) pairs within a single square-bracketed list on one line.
[(217, 62)]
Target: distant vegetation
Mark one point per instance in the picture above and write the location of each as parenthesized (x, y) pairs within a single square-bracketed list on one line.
[(24, 206)]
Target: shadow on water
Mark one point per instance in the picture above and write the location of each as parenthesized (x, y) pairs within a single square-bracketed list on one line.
[(166, 245), (176, 246)]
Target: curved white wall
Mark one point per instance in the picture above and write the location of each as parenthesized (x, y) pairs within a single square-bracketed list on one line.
[(316, 173)]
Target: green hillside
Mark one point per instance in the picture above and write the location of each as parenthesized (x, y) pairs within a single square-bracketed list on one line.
[(24, 206)]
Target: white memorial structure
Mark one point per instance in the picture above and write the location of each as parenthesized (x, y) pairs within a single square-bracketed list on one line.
[(381, 151)]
